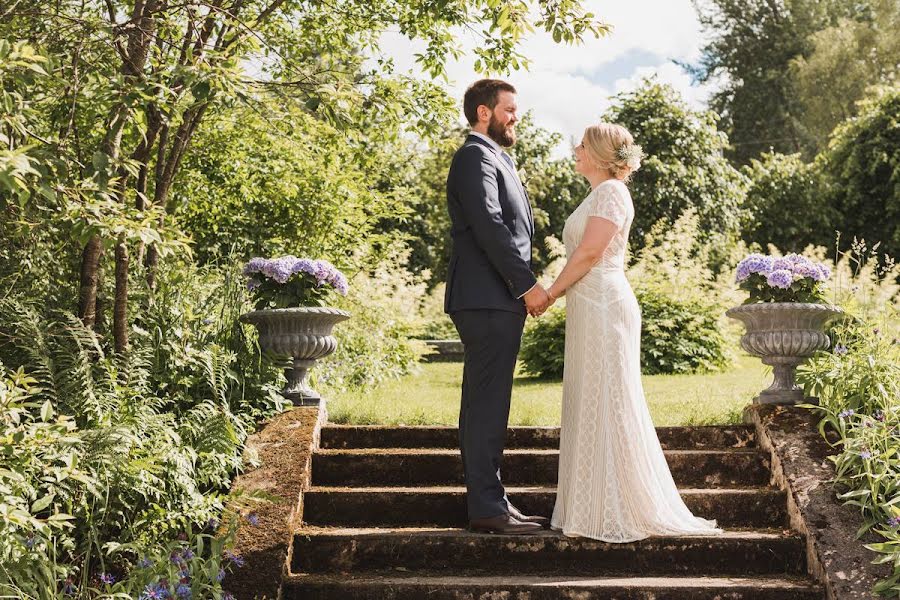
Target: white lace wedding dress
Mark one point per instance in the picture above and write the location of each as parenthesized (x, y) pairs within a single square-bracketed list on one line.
[(614, 482)]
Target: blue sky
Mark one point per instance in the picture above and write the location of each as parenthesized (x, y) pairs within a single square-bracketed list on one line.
[(569, 87)]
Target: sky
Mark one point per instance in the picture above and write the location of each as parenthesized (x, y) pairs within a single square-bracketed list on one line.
[(569, 87)]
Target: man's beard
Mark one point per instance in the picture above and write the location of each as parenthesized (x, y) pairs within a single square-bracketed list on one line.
[(505, 136)]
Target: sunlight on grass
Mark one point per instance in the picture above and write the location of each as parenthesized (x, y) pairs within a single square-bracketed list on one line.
[(431, 396)]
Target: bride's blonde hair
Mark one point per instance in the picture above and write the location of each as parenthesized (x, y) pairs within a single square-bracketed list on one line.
[(611, 148)]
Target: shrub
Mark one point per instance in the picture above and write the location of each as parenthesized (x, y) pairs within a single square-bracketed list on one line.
[(676, 337), (543, 344), (373, 345)]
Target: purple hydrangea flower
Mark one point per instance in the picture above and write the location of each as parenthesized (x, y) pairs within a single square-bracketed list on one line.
[(780, 278), (754, 263), (846, 413), (782, 264), (824, 272)]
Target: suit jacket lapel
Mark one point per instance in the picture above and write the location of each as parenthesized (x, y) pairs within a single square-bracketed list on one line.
[(511, 171)]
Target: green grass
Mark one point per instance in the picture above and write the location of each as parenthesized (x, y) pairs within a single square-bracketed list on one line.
[(430, 396)]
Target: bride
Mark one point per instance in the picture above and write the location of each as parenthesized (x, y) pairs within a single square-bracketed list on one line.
[(614, 482)]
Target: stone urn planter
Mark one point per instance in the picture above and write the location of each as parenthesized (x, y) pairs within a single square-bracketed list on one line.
[(783, 335), (302, 334)]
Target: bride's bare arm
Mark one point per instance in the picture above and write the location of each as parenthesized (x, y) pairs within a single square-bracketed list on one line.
[(597, 235)]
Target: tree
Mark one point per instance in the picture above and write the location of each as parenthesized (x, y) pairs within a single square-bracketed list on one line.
[(134, 81), (752, 43), (861, 173), (785, 205), (684, 166), (845, 61)]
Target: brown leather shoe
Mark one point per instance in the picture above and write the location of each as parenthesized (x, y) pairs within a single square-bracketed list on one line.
[(503, 524), (518, 516)]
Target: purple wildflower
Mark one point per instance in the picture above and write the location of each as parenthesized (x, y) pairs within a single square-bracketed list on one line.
[(228, 596), (840, 350), (183, 591), (184, 575), (154, 591), (237, 559), (69, 588), (107, 578), (145, 563), (187, 554), (220, 575), (865, 454), (780, 278), (846, 413), (30, 541), (212, 523), (253, 519), (894, 522)]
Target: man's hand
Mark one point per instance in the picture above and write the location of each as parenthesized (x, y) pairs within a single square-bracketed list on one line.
[(536, 300)]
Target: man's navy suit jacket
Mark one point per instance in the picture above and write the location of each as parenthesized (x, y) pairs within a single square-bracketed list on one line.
[(491, 229)]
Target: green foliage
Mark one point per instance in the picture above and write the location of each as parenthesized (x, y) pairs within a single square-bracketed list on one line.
[(861, 173), (141, 448), (373, 345), (846, 60), (676, 337), (253, 188), (684, 167), (858, 386), (544, 345), (751, 45), (785, 204), (679, 336)]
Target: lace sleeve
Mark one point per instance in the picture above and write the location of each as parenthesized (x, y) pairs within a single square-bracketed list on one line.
[(609, 203)]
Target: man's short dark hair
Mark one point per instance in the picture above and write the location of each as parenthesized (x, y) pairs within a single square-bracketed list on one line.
[(483, 91)]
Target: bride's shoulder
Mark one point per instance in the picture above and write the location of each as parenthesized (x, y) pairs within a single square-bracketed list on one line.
[(611, 187)]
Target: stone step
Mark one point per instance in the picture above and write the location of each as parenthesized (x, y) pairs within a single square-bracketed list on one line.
[(550, 587), (408, 467), (377, 436), (446, 506), (735, 553)]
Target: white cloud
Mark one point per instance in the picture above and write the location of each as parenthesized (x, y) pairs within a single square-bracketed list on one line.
[(566, 86)]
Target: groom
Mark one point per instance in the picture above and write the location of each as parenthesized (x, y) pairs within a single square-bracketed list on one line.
[(490, 288)]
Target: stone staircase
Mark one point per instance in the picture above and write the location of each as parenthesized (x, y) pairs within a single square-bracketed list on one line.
[(384, 520)]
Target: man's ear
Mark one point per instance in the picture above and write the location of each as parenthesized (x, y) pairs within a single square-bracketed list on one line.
[(484, 113)]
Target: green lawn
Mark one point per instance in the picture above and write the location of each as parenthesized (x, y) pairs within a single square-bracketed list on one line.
[(431, 396)]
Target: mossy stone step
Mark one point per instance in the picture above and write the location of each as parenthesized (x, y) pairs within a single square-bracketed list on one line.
[(378, 436), (734, 553), (416, 586), (408, 467), (446, 506)]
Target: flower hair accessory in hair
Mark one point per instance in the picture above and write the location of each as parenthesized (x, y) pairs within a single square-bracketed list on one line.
[(631, 154)]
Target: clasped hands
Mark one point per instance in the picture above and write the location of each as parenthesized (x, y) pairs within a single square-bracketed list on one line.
[(538, 300)]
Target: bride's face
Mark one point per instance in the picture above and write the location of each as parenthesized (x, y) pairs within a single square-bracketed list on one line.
[(582, 163)]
